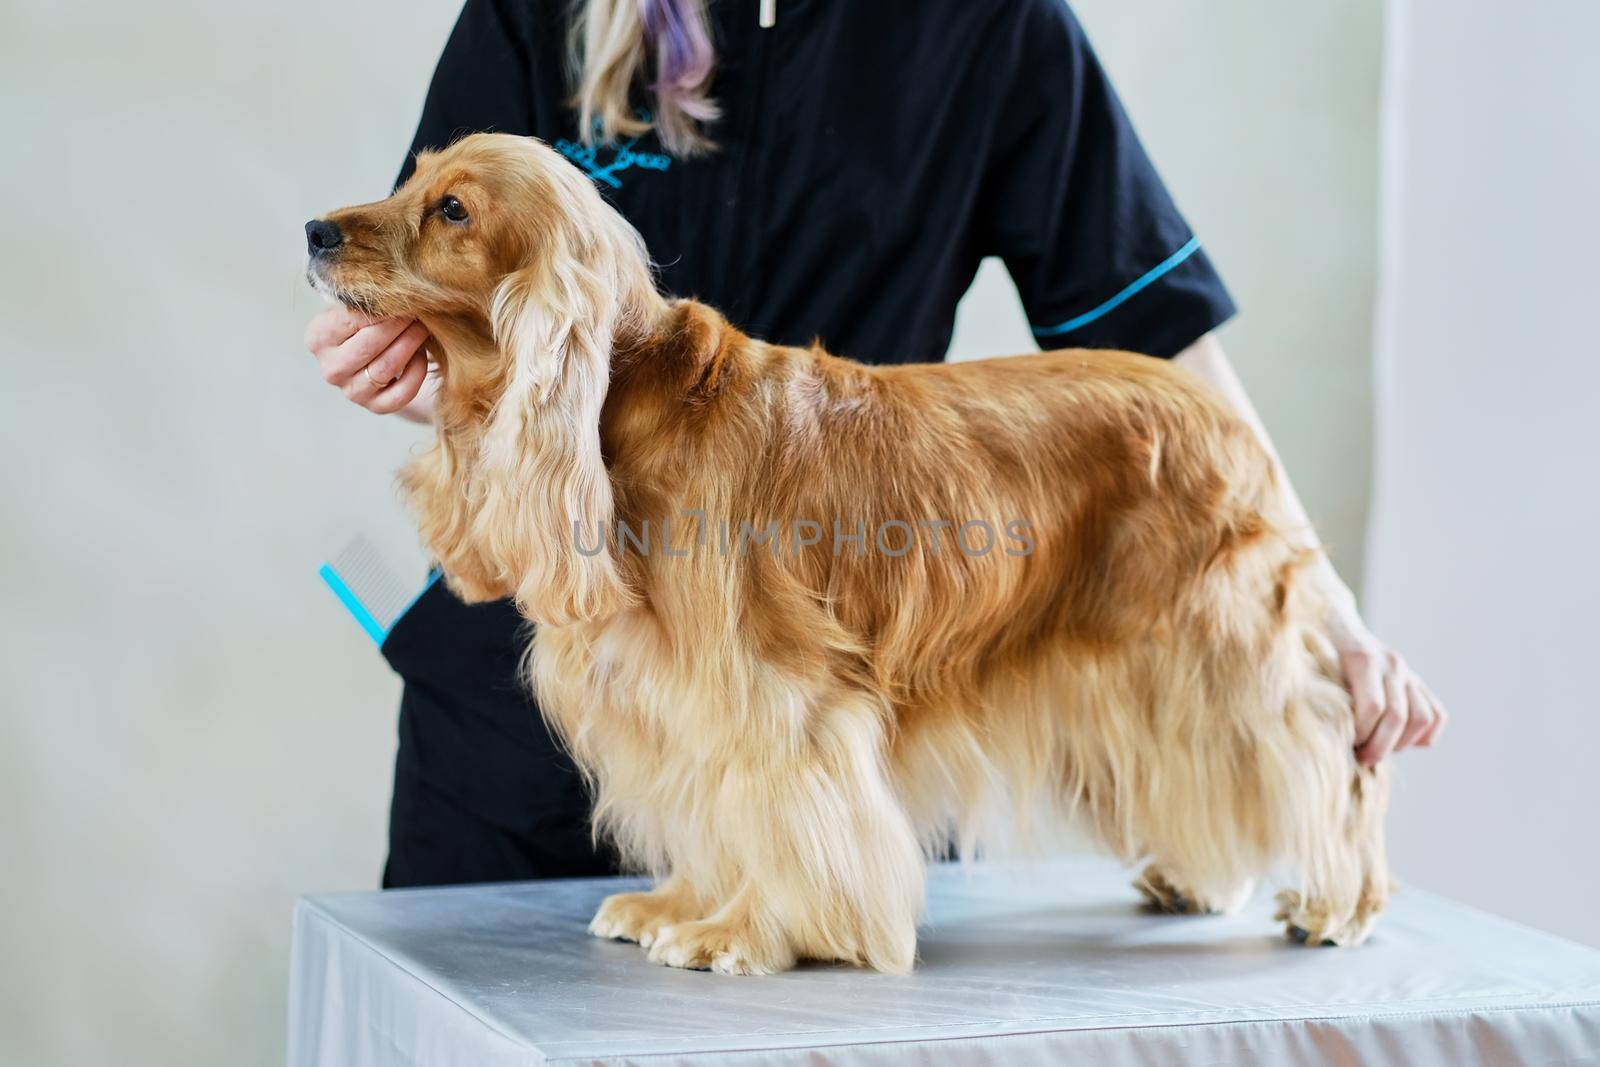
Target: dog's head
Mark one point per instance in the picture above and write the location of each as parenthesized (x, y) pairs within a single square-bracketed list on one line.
[(524, 277), (495, 237)]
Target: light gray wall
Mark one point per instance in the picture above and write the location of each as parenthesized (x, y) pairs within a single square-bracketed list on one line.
[(193, 733), (1484, 565)]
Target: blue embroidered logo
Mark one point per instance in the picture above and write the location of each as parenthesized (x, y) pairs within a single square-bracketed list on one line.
[(621, 157)]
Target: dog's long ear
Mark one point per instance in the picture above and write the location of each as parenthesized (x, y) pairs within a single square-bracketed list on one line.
[(541, 476)]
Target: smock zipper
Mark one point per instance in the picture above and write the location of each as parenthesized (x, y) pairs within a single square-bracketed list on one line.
[(769, 14)]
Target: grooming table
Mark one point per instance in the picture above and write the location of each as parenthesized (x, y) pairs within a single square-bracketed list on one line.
[(1044, 964)]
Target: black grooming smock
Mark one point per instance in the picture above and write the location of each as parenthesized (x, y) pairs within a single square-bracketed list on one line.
[(870, 153)]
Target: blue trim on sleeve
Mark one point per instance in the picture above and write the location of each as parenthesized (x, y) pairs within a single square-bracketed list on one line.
[(1146, 279)]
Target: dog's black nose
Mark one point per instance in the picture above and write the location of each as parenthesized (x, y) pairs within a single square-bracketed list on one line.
[(323, 236)]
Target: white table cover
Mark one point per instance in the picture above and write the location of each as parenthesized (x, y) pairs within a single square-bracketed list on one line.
[(1047, 964)]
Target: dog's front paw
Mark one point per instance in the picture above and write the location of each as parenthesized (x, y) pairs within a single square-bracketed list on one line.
[(639, 916), (1163, 896), (727, 948), (1160, 895)]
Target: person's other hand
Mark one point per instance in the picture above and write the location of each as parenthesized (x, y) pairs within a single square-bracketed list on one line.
[(1394, 708), (377, 363)]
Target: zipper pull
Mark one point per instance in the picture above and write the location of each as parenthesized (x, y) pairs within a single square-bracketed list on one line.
[(769, 14)]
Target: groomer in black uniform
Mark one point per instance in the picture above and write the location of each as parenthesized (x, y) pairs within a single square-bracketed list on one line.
[(867, 157)]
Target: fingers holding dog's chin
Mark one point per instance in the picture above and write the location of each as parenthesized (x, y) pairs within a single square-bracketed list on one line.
[(350, 320), (403, 390), (349, 364), (365, 384), (390, 346), (332, 327)]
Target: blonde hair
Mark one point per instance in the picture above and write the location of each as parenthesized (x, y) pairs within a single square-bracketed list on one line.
[(617, 44)]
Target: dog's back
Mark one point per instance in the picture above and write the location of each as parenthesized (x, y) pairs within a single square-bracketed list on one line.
[(940, 518)]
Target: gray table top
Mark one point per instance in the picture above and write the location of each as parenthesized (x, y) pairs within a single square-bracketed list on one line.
[(1048, 949)]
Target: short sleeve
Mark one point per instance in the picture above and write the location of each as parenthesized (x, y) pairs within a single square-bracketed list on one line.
[(1098, 250), (484, 81)]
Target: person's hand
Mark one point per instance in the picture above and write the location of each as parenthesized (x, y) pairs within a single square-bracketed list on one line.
[(1394, 708), (377, 363)]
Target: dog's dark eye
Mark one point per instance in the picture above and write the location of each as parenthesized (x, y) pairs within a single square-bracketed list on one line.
[(453, 209)]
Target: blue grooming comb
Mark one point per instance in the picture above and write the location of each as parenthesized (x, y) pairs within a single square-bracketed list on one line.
[(369, 588)]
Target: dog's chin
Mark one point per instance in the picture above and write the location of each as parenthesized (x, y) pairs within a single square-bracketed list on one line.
[(353, 301)]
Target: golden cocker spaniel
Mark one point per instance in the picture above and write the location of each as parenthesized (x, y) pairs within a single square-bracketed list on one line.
[(803, 622)]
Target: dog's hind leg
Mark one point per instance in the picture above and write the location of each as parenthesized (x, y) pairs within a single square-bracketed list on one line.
[(1345, 875), (1330, 812), (816, 856), (1263, 771)]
